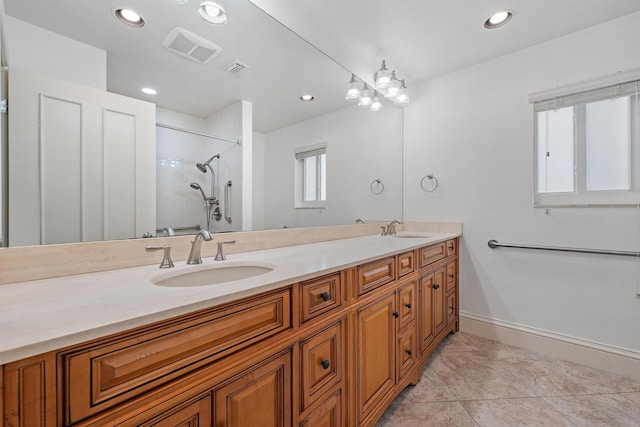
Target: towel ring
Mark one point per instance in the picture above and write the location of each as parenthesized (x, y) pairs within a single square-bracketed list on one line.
[(380, 186), (430, 188)]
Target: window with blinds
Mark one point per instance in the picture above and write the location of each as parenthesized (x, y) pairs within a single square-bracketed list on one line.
[(586, 147), (311, 177)]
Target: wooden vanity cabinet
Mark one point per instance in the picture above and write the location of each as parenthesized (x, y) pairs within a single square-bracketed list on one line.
[(330, 351)]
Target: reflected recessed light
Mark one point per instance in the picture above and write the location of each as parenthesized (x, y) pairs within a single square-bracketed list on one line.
[(498, 19), (212, 12), (307, 98), (177, 1), (129, 17), (149, 91)]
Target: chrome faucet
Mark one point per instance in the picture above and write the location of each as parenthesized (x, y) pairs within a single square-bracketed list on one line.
[(391, 228), (196, 243), (220, 256), (169, 231)]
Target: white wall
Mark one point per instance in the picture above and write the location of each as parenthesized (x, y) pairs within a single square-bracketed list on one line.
[(50, 54), (361, 146), (474, 130), (258, 180)]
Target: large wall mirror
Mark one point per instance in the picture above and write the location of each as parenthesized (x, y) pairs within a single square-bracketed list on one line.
[(234, 147)]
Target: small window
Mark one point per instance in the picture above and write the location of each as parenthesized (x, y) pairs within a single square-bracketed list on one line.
[(311, 177), (586, 148)]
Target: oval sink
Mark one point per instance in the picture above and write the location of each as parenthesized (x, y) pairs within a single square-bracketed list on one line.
[(211, 276)]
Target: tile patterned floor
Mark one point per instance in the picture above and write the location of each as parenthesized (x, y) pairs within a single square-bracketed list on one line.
[(472, 381)]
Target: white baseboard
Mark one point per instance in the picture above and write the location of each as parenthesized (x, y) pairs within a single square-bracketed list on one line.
[(617, 360)]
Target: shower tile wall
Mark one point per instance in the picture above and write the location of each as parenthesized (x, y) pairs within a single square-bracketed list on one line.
[(177, 153)]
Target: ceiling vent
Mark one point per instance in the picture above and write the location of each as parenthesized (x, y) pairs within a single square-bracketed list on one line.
[(235, 67), (191, 46)]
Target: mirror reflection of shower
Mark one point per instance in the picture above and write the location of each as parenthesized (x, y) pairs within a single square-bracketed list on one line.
[(210, 201)]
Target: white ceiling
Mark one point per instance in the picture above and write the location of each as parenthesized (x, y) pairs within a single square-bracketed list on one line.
[(421, 39)]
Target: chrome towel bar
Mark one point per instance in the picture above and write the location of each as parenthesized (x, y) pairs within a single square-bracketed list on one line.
[(494, 244)]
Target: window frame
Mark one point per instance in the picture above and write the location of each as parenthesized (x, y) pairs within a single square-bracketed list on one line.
[(299, 187), (580, 197)]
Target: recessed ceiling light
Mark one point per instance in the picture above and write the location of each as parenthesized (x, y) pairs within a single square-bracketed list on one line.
[(212, 12), (307, 98), (177, 1), (129, 17), (149, 91), (498, 19)]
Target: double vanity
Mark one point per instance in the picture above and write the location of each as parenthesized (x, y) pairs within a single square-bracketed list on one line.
[(316, 334)]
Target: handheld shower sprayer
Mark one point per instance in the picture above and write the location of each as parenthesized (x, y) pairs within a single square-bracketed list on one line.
[(197, 187)]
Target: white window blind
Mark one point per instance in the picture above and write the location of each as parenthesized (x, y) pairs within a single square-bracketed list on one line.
[(586, 147)]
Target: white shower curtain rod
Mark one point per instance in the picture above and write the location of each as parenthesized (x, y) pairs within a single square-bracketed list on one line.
[(235, 141)]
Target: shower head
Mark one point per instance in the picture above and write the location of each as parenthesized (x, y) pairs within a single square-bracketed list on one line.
[(203, 166), (197, 187)]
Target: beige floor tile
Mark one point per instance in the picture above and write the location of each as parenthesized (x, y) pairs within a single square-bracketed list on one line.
[(598, 410), (602, 381), (433, 414), (550, 378), (529, 412), (501, 385), (430, 388), (473, 378), (633, 396)]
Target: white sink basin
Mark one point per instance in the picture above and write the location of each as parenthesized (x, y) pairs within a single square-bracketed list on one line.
[(211, 275)]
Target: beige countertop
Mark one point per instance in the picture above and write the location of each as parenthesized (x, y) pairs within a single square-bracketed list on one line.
[(44, 315)]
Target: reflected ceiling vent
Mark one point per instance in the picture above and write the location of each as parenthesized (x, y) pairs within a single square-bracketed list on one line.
[(191, 46), (235, 67)]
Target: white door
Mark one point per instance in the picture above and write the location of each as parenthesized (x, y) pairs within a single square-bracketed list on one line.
[(81, 163)]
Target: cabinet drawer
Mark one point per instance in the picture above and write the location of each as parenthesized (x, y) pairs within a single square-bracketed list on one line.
[(452, 247), (103, 375), (407, 306), (432, 254), (321, 295), (407, 352), (322, 363), (452, 272), (406, 263), (375, 274)]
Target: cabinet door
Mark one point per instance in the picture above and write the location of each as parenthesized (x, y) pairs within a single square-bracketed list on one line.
[(432, 317), (376, 326), (260, 396), (407, 304), (196, 414), (322, 363), (439, 311), (451, 307), (329, 414)]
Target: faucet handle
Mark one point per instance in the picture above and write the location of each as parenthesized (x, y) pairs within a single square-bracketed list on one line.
[(384, 230), (166, 260), (220, 255)]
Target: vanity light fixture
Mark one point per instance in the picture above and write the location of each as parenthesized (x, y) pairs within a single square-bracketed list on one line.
[(395, 91), (129, 17), (376, 105), (394, 87), (382, 77), (365, 96), (402, 98), (307, 98), (212, 12), (149, 91), (498, 19), (353, 92)]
